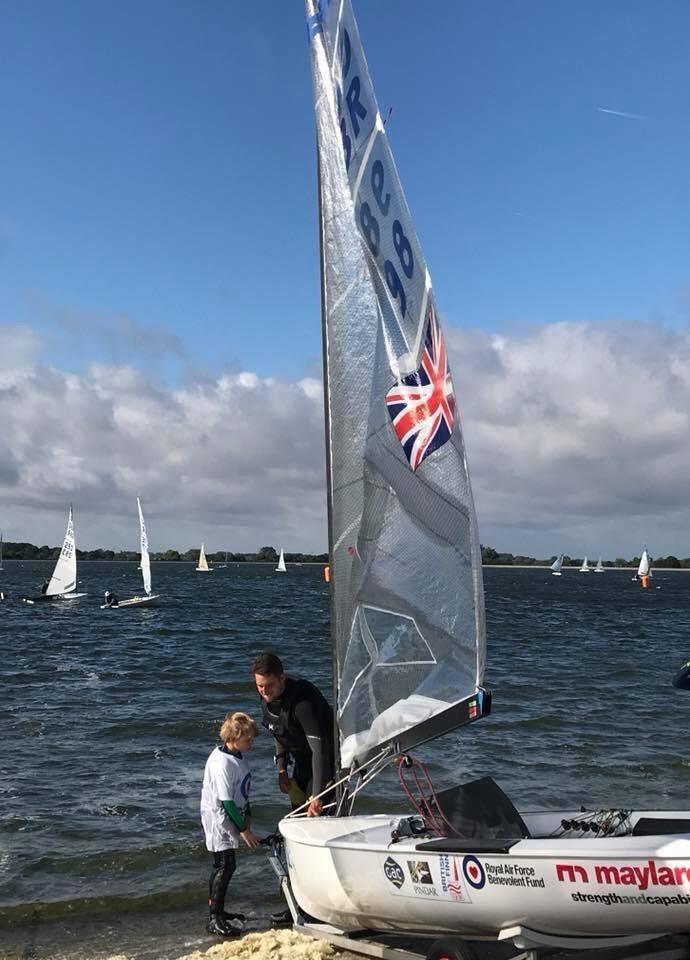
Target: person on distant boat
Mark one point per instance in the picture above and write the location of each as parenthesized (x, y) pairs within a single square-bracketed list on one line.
[(225, 815), (111, 599), (44, 585), (300, 720)]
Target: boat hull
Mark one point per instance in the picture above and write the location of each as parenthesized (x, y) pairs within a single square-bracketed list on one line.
[(347, 872), (150, 601), (54, 598)]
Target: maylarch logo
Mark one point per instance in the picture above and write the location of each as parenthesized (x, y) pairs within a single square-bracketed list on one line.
[(394, 872)]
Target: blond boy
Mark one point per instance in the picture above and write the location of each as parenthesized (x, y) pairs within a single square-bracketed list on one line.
[(225, 814)]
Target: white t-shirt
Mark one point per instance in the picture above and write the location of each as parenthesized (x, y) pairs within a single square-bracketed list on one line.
[(226, 777)]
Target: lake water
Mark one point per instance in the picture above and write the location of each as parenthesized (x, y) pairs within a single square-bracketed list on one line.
[(107, 718)]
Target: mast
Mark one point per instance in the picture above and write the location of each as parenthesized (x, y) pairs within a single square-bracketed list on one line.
[(329, 474)]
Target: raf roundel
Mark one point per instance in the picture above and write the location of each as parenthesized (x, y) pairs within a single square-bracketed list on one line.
[(473, 872)]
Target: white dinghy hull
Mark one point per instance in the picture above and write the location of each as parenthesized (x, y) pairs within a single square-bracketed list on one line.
[(347, 872), (150, 601)]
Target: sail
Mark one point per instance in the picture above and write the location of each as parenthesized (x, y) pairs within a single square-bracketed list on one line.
[(64, 578), (406, 580), (643, 568), (557, 564), (202, 564), (281, 568), (599, 567), (145, 562), (585, 566)]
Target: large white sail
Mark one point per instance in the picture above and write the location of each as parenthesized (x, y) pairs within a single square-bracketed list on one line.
[(64, 578), (202, 565), (643, 568), (585, 566), (406, 579), (281, 568), (145, 561), (599, 567), (557, 564)]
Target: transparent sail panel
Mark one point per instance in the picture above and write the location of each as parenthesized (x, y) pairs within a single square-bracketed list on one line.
[(406, 566), (64, 578), (145, 561)]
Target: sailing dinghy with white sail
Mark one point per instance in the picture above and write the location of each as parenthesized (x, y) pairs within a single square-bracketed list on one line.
[(407, 602), (148, 599), (599, 567), (556, 566), (202, 563), (281, 568), (585, 566), (62, 586)]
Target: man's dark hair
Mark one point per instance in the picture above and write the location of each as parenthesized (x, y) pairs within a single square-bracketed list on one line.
[(267, 663)]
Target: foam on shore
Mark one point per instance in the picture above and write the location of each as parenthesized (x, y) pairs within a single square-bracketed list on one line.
[(269, 945)]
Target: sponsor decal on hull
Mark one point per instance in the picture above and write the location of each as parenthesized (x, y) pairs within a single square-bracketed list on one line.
[(453, 885), (643, 876), (422, 881), (394, 872), (506, 874)]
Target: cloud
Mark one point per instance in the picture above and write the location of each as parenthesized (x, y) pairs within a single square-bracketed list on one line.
[(577, 437)]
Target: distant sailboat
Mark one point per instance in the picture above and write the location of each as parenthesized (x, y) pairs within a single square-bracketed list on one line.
[(281, 568), (556, 566), (585, 566), (599, 567), (149, 599), (63, 583), (644, 570), (202, 565)]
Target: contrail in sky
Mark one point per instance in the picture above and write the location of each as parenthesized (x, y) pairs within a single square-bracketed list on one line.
[(621, 113)]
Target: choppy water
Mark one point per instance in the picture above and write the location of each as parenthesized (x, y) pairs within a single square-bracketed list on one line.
[(107, 718)]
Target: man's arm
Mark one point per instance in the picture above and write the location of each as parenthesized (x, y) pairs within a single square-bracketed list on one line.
[(318, 740)]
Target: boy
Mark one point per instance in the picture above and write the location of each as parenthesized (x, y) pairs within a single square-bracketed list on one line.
[(225, 814)]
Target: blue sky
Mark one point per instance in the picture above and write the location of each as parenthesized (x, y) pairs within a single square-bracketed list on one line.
[(158, 212), (158, 165)]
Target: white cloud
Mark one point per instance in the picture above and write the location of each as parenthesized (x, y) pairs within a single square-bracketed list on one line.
[(577, 437)]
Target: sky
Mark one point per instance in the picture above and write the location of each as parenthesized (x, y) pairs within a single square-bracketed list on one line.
[(159, 287)]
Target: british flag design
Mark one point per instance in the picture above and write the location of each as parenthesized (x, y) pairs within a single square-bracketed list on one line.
[(422, 404)]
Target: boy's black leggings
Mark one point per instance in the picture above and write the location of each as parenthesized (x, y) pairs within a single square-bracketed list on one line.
[(223, 869)]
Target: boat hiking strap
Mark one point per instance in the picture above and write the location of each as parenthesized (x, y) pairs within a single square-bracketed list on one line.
[(425, 801)]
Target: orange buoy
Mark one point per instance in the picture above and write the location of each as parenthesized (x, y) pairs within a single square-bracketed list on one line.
[(327, 574), (645, 582)]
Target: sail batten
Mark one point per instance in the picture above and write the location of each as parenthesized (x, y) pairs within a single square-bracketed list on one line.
[(405, 561)]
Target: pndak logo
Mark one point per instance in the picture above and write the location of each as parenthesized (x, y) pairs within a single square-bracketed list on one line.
[(394, 872)]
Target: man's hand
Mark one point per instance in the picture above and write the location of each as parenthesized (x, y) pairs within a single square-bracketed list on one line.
[(283, 781), (250, 838), (315, 807)]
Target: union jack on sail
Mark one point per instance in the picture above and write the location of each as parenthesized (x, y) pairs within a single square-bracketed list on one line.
[(422, 404)]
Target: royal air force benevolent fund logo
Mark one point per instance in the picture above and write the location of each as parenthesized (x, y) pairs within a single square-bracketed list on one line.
[(394, 872), (473, 872)]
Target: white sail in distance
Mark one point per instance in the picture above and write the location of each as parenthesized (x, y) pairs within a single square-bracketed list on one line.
[(202, 565), (64, 578), (281, 568), (599, 567), (643, 568), (556, 565), (145, 561), (406, 579), (585, 566)]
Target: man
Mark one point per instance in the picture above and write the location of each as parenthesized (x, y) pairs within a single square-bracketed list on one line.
[(301, 722)]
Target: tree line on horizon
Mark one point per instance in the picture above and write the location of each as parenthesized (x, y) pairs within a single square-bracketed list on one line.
[(29, 551)]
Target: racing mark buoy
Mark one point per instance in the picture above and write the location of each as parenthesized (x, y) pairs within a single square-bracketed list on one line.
[(327, 574), (644, 581), (682, 678)]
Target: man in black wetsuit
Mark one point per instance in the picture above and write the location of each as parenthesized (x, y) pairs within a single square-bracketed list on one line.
[(301, 722)]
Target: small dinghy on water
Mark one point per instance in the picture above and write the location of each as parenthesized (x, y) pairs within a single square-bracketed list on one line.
[(585, 566), (599, 567), (202, 563), (408, 610), (281, 568), (556, 566), (62, 586), (148, 599), (644, 570)]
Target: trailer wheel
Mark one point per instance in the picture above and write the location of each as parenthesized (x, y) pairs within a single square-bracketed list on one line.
[(451, 948)]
